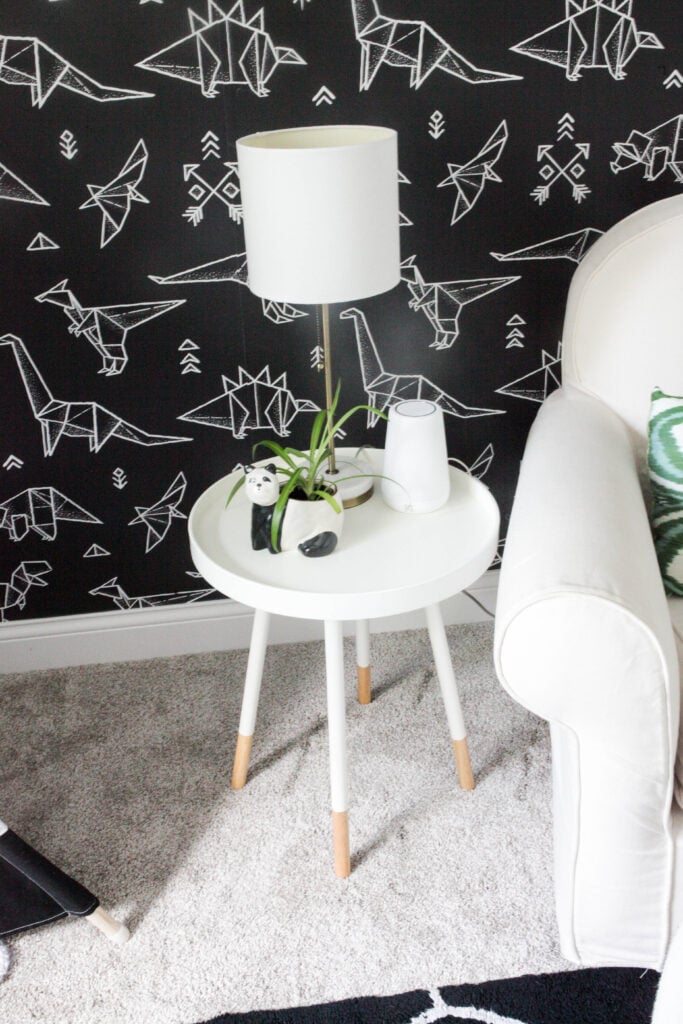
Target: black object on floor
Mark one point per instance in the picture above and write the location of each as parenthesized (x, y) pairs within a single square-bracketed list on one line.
[(33, 890), (604, 995)]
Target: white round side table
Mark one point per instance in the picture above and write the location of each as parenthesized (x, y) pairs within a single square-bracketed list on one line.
[(386, 563)]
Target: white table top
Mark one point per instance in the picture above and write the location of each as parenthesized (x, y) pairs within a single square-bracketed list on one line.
[(386, 562)]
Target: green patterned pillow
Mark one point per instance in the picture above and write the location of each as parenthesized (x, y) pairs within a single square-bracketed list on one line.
[(665, 465)]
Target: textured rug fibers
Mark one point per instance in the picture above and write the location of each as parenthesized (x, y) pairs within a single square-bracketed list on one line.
[(120, 775)]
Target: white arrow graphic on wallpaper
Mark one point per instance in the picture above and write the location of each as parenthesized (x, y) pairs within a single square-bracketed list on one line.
[(88, 420)]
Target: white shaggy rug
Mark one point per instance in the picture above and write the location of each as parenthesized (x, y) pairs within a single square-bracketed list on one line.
[(120, 774)]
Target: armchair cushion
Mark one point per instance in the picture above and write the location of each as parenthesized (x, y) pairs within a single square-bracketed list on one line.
[(665, 466)]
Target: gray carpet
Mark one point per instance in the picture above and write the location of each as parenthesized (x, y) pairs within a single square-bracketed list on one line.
[(120, 774)]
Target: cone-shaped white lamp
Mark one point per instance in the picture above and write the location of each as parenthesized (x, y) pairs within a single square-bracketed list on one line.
[(321, 219)]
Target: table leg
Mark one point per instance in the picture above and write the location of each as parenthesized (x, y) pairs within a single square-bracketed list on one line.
[(449, 692), (250, 696), (363, 661), (336, 725)]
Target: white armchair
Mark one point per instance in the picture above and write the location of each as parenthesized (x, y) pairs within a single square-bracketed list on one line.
[(585, 635)]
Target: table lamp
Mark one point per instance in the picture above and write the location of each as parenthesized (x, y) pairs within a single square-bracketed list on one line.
[(321, 225)]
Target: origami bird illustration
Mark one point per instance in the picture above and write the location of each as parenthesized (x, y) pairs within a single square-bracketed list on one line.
[(105, 327), (232, 268), (26, 575), (385, 389), (24, 60), (593, 34), (88, 420), (442, 301), (572, 246), (657, 150), (409, 44), (469, 179), (159, 516), (251, 403), (40, 509), (115, 592), (115, 199), (223, 49)]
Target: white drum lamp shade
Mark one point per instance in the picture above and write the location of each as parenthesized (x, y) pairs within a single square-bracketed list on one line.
[(415, 474), (320, 211)]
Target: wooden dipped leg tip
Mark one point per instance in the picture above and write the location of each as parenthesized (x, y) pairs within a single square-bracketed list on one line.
[(340, 836), (463, 764), (240, 765)]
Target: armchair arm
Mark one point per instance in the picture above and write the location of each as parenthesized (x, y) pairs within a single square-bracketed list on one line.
[(584, 639)]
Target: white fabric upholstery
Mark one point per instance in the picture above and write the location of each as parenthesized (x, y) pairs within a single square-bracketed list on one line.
[(584, 634), (668, 1008)]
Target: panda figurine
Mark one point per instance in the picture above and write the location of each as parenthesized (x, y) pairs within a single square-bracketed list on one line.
[(311, 526)]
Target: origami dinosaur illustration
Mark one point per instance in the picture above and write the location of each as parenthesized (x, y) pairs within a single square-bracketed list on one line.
[(40, 509), (251, 403), (536, 385), (469, 179), (88, 420), (658, 150), (114, 200), (159, 516), (572, 246), (442, 302), (409, 44), (223, 49), (115, 592), (25, 576), (593, 34), (232, 268), (385, 389), (12, 187), (24, 60), (105, 327)]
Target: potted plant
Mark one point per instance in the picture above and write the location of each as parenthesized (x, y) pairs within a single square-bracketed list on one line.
[(303, 511)]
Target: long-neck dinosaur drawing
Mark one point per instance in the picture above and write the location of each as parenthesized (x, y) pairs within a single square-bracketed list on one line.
[(25, 576), (115, 592), (385, 389), (74, 419), (409, 44)]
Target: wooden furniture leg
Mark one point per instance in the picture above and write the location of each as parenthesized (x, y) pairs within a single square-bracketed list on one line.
[(363, 661), (109, 926), (336, 725), (449, 692), (250, 696)]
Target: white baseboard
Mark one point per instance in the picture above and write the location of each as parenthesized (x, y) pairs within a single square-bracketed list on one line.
[(189, 629)]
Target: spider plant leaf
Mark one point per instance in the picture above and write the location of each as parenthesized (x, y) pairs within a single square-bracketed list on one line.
[(235, 488)]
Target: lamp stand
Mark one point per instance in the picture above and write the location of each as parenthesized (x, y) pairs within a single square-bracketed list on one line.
[(360, 488)]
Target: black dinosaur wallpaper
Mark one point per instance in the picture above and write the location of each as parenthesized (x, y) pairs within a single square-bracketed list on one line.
[(137, 367)]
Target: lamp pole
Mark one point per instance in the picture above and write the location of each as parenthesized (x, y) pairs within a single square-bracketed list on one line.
[(327, 360)]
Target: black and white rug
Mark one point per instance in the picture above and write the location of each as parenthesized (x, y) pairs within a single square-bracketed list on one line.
[(607, 995)]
